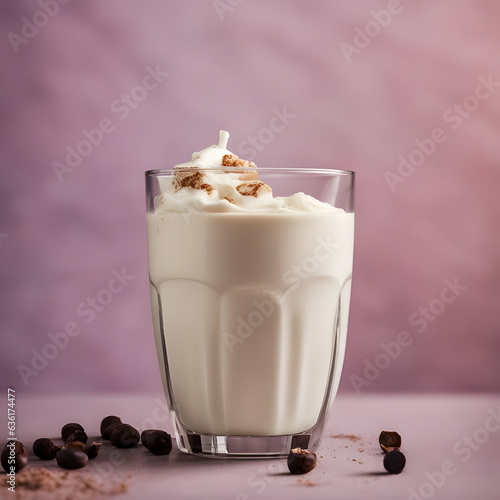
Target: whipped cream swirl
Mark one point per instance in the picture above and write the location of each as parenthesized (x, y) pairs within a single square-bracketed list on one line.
[(211, 182)]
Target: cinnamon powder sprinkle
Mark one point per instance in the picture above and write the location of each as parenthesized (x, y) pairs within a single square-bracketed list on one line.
[(234, 161), (253, 188), (36, 483), (306, 482), (350, 437), (191, 179)]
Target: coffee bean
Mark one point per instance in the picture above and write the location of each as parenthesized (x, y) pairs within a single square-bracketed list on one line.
[(110, 428), (14, 457), (159, 443), (68, 429), (301, 461), (389, 441), (124, 436), (75, 444), (77, 435), (71, 458), (394, 462), (145, 435), (45, 449), (93, 449), (106, 423)]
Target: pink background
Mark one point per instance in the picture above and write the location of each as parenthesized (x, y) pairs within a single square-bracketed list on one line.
[(60, 240)]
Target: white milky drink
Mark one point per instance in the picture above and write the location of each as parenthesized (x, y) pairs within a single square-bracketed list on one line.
[(250, 298)]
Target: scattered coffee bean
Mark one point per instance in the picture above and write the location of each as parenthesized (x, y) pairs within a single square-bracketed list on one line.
[(105, 425), (124, 436), (45, 449), (93, 449), (394, 462), (68, 429), (71, 458), (389, 441), (75, 444), (110, 428), (301, 461), (159, 443), (14, 456), (145, 435), (77, 435)]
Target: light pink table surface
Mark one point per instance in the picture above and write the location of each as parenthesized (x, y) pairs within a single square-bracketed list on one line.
[(462, 432)]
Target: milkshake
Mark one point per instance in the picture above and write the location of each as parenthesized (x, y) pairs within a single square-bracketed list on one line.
[(250, 297)]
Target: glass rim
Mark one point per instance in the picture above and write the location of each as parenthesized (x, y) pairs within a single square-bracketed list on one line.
[(290, 170)]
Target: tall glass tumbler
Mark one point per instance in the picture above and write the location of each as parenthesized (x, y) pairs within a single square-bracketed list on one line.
[(250, 313)]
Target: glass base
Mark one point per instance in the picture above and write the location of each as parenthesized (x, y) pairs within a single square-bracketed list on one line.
[(243, 447)]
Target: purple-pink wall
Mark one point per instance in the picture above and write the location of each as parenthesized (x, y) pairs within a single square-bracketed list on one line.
[(412, 106)]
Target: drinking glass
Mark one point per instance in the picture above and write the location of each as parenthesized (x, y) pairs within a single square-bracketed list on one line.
[(250, 312)]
